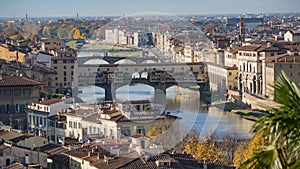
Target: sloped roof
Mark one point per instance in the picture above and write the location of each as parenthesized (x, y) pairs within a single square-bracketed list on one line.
[(182, 161), (18, 81), (50, 101), (284, 58)]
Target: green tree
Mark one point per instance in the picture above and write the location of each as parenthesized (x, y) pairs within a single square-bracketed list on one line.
[(281, 130)]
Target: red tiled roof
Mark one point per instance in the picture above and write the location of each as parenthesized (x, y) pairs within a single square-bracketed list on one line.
[(249, 47), (284, 58), (15, 165), (84, 151), (292, 47), (18, 81), (233, 50), (266, 48), (177, 161), (50, 101)]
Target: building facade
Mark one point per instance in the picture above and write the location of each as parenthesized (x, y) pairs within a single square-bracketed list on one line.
[(15, 93), (290, 64), (65, 64)]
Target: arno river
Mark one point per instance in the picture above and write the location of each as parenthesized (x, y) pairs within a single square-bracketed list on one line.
[(181, 102)]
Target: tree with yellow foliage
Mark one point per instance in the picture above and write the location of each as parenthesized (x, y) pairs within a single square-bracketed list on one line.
[(245, 150), (207, 149), (76, 34), (165, 132)]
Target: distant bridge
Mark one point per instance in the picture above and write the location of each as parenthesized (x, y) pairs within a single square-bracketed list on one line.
[(114, 59), (160, 76)]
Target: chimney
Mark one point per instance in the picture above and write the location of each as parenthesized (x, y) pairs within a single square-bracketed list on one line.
[(98, 156)]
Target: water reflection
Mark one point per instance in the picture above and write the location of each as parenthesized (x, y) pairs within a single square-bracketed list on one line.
[(184, 103)]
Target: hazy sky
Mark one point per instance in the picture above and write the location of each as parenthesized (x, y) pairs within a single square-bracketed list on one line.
[(120, 7)]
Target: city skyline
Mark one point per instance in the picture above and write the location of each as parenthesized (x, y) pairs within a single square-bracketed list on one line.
[(15, 8)]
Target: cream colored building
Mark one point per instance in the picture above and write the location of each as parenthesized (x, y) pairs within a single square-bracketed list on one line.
[(292, 36), (290, 64), (38, 113), (11, 53), (53, 44), (230, 57), (65, 64), (222, 77), (251, 69)]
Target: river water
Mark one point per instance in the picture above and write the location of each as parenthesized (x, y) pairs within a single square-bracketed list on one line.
[(184, 103)]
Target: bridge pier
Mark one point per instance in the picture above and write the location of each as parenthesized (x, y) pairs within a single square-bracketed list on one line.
[(160, 94), (110, 93)]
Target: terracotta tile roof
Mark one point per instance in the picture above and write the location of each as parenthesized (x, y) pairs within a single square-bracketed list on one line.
[(181, 161), (249, 47), (49, 101), (117, 162), (18, 81), (233, 50), (292, 47), (87, 151), (53, 149), (284, 58), (14, 166), (259, 48), (265, 48)]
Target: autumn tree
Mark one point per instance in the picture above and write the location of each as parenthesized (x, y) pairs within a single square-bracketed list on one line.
[(247, 149), (47, 31), (208, 149), (76, 34), (165, 132)]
